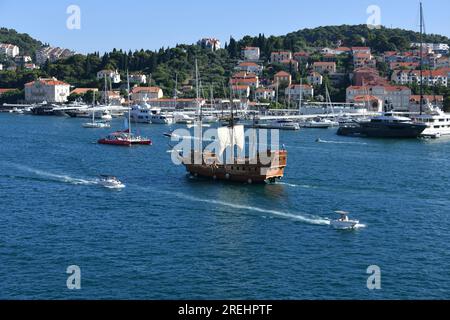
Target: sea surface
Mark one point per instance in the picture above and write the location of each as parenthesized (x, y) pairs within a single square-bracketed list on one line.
[(169, 236)]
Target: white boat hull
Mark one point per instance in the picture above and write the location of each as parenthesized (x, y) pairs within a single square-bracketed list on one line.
[(344, 225)]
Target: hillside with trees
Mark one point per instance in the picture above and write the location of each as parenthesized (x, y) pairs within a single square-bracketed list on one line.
[(163, 66)]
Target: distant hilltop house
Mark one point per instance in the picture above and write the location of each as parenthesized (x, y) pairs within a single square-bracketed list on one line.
[(3, 91), (1, 67), (112, 75), (9, 50), (209, 43), (361, 60), (22, 59), (50, 90), (441, 48), (294, 91), (241, 91), (138, 78), (282, 77), (265, 94), (322, 67), (397, 97), (248, 66), (315, 78), (290, 63), (429, 77), (365, 50), (143, 94), (112, 97), (251, 53), (244, 78), (278, 56), (52, 54)]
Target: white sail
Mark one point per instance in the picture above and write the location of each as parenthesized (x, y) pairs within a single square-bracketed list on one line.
[(223, 134), (239, 137), (230, 137)]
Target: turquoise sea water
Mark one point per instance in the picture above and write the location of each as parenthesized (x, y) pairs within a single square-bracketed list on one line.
[(166, 236)]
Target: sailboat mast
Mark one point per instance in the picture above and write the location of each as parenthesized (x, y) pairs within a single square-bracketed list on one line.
[(129, 107), (421, 59), (300, 98), (176, 91), (199, 107)]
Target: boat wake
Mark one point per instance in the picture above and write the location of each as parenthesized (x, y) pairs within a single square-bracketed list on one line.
[(56, 177), (303, 218), (305, 186), (341, 142)]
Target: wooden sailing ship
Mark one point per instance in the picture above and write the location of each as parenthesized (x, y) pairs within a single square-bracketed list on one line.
[(262, 167)]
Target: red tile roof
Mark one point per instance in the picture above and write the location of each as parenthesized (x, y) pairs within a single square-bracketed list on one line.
[(6, 90), (282, 74), (83, 90), (48, 82), (145, 89)]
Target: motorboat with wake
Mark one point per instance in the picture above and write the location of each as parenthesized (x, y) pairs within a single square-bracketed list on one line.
[(344, 223), (111, 182)]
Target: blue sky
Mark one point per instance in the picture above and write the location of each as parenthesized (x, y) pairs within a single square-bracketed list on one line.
[(153, 24)]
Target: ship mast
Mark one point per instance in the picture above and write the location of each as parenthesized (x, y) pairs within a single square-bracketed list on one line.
[(421, 59), (129, 107)]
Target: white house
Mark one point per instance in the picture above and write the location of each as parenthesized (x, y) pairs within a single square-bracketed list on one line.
[(251, 53), (138, 78), (210, 43), (50, 90), (1, 67), (9, 50), (52, 54), (294, 91), (365, 50), (315, 79), (142, 94), (397, 97), (114, 76), (278, 56), (251, 67), (241, 91), (429, 77), (265, 94)]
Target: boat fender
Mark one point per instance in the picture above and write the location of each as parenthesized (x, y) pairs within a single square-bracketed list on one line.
[(250, 181), (215, 177), (227, 176)]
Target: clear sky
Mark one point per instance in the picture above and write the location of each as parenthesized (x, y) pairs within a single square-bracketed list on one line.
[(151, 24)]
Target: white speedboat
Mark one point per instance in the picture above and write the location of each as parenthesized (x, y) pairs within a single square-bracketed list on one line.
[(283, 124), (182, 118), (111, 182), (96, 125), (319, 123), (344, 223)]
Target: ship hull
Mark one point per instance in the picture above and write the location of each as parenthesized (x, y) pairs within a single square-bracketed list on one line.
[(389, 131), (247, 172)]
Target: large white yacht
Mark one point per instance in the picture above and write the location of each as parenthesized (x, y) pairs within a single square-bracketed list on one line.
[(144, 113), (437, 121)]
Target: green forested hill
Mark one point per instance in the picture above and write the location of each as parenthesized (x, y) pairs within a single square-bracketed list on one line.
[(27, 44), (215, 67)]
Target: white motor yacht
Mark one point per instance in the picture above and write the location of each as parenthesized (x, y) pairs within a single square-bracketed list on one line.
[(319, 123), (282, 124)]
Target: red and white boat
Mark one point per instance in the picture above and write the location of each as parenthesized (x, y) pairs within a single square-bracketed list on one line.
[(124, 138)]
